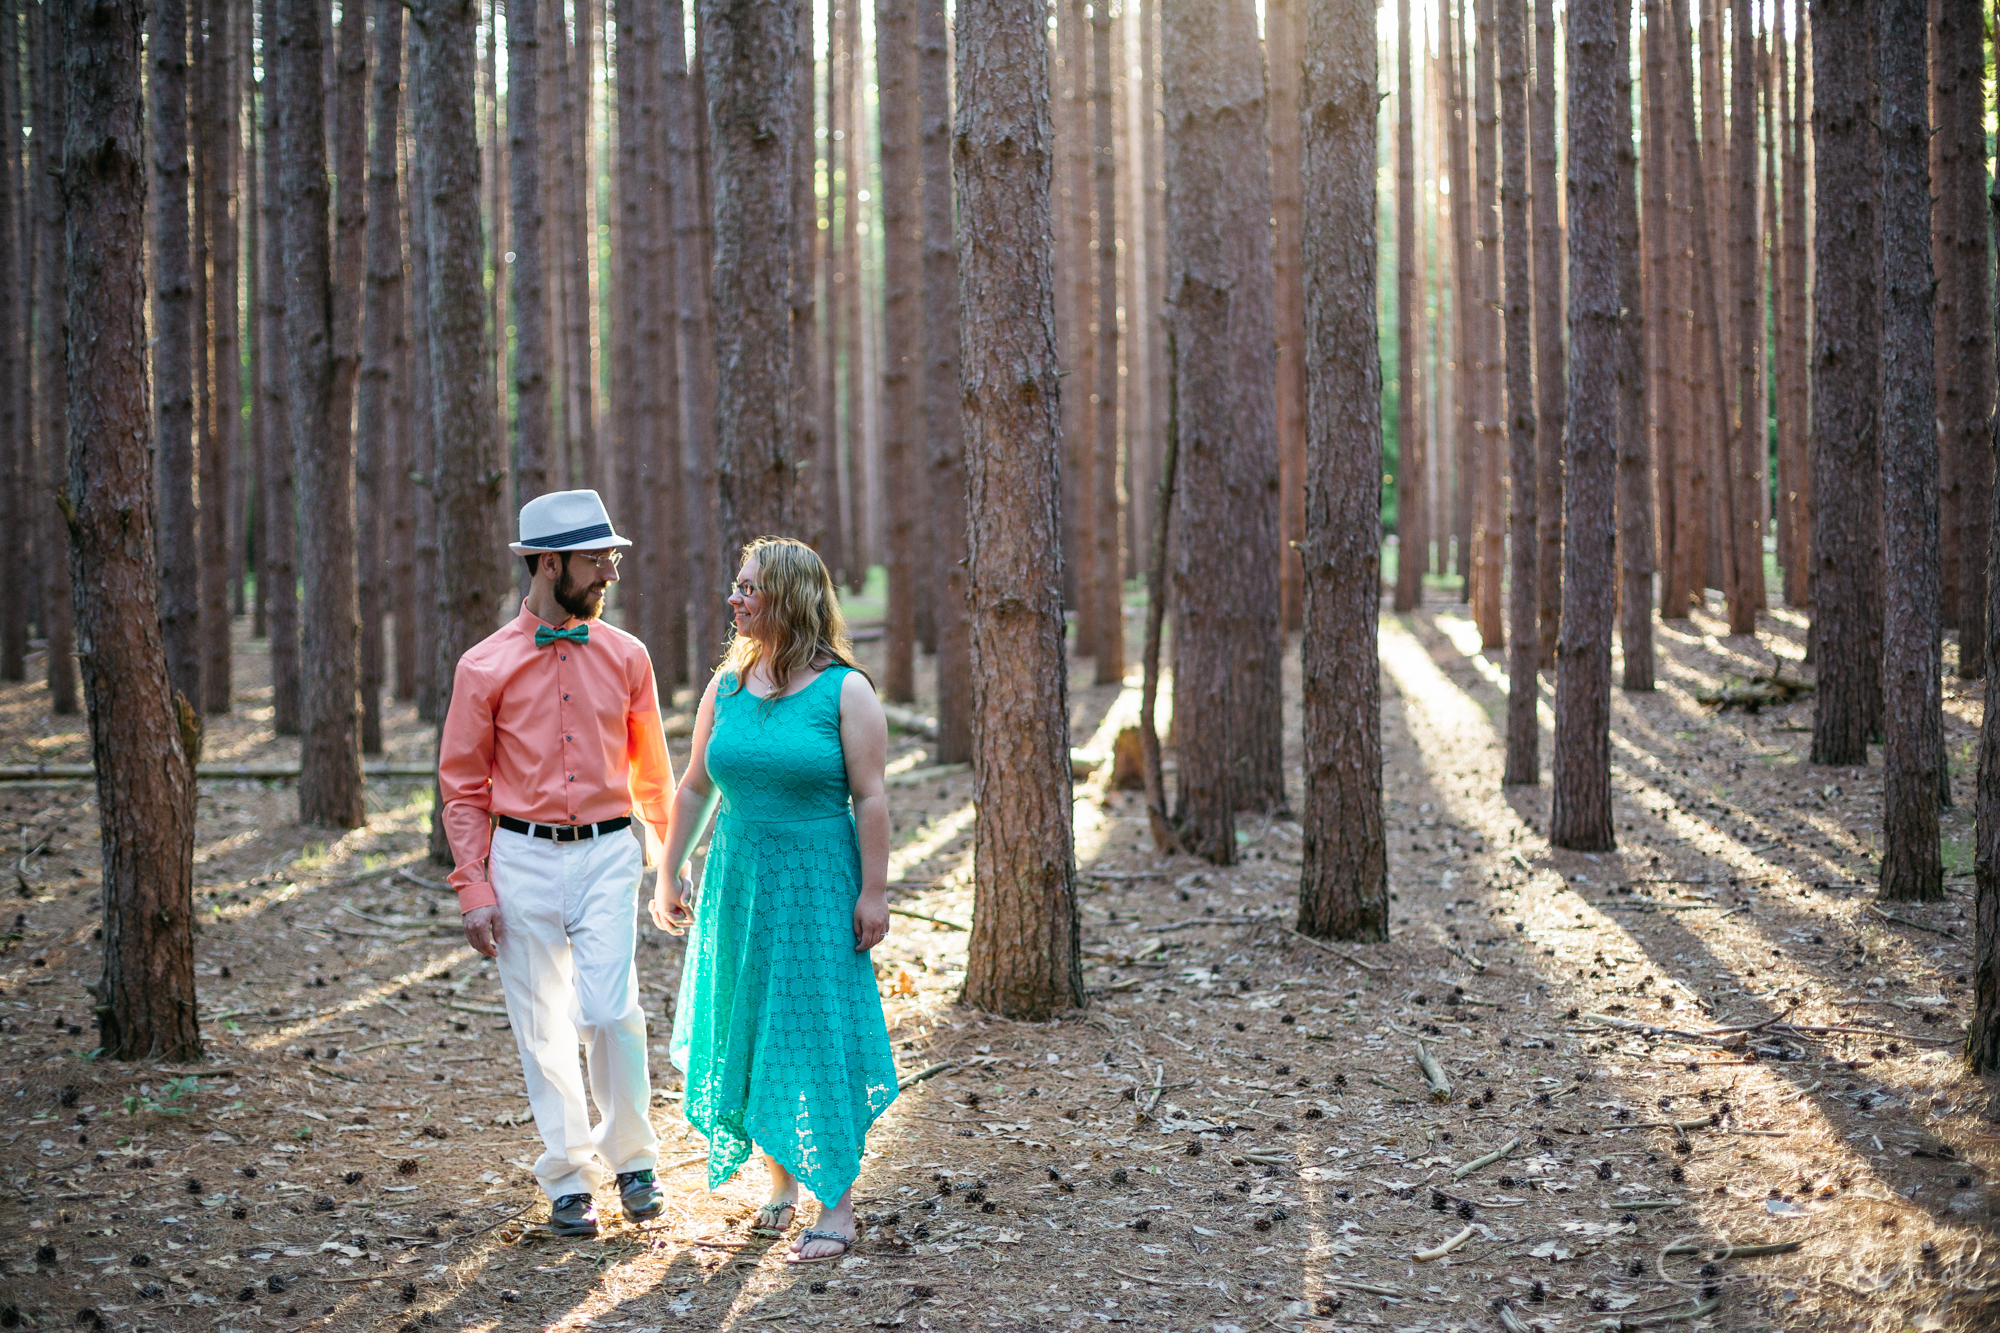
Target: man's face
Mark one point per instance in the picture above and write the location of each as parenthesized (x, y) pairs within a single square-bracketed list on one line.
[(580, 586)]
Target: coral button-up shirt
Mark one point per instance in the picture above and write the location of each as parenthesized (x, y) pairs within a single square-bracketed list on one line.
[(565, 734)]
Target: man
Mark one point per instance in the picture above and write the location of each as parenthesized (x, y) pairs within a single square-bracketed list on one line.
[(552, 745)]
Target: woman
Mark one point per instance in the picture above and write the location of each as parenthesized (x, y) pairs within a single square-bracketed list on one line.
[(779, 1027)]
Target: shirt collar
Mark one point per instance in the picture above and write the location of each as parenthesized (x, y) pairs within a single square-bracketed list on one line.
[(528, 620)]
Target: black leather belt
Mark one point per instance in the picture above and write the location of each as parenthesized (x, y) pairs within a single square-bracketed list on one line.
[(562, 832)]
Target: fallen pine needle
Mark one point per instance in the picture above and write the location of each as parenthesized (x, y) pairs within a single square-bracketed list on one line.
[(1425, 1256)]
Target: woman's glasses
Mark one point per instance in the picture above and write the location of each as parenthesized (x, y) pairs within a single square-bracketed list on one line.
[(744, 588)]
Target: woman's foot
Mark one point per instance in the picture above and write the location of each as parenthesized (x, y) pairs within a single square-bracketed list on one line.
[(778, 1212), (830, 1236)]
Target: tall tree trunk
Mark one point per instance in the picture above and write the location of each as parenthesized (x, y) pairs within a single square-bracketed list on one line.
[(1551, 374), (804, 279), (383, 321), (1284, 55), (1227, 644), (1846, 511), (902, 263), (1662, 262), (578, 246), (350, 208), (630, 239), (1344, 882), (1074, 271), (1748, 450), (942, 394), (529, 297), (858, 384), (400, 574), (465, 481), (826, 478), (1152, 308), (1684, 581), (280, 500), (1912, 753), (433, 672), (1969, 393), (1024, 960), (52, 368), (1635, 466), (1489, 539), (711, 561), (141, 737), (255, 511), (1791, 537), (661, 461), (499, 238), (1464, 301), (1580, 814), (748, 57), (1410, 535), (330, 785), (650, 200), (1523, 764), (16, 437), (1797, 320), (173, 350), (221, 112), (1108, 563)]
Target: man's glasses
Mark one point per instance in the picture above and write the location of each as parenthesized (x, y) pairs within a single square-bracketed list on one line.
[(605, 563)]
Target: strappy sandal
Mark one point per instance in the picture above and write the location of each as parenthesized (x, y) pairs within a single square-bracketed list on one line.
[(844, 1243), (767, 1221)]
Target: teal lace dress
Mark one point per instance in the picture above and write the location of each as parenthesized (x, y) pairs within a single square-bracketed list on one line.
[(779, 1025)]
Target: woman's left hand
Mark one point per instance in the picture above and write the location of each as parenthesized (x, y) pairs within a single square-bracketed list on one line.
[(871, 919)]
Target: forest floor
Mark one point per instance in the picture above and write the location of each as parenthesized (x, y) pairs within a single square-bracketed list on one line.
[(1233, 1136)]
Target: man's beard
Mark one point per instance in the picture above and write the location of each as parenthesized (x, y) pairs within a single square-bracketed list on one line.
[(585, 601)]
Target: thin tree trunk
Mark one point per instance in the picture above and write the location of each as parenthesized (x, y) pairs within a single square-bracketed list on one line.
[(748, 57), (407, 651), (1464, 302), (1911, 866), (173, 351), (433, 672), (1152, 307), (141, 737), (1074, 271), (1283, 54), (1747, 451), (804, 280), (1409, 298), (652, 199), (833, 520), (577, 246), (1580, 814), (218, 460), (383, 320), (16, 422), (1523, 764), (52, 393), (499, 238), (350, 212), (256, 505), (1551, 373), (1798, 322), (942, 394), (529, 297), (1344, 882), (1968, 402), (1846, 513), (630, 262), (1489, 540), (858, 384), (1024, 959), (902, 263), (280, 501), (1635, 467), (1108, 565), (330, 785), (710, 561), (1791, 535), (662, 463), (1662, 325)]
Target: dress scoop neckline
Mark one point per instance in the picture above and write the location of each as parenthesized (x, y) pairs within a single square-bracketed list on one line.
[(824, 672)]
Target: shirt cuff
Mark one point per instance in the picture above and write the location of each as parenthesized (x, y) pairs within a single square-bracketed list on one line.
[(477, 894)]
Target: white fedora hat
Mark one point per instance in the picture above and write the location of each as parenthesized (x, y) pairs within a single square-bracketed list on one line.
[(565, 521)]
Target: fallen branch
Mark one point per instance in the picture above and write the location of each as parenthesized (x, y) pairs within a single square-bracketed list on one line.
[(405, 872), (1433, 1074), (464, 1008), (1735, 1251), (1439, 1252), (378, 1045), (1700, 1311), (1206, 921), (1467, 958), (1460, 1172), (490, 1225), (1914, 925), (923, 916), (1328, 948), (927, 1072), (1371, 1290)]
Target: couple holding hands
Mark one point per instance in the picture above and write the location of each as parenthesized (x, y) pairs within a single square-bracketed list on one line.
[(558, 792)]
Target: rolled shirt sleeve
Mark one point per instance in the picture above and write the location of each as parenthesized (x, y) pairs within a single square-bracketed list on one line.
[(649, 768), (465, 785)]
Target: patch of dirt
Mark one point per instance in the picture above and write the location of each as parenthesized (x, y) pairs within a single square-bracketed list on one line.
[(1235, 1135)]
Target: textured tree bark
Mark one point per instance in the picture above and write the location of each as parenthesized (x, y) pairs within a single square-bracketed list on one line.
[(827, 471), (942, 393), (1911, 867), (1523, 765), (1942, 88), (16, 425), (578, 245), (499, 240), (383, 321), (1748, 473), (1024, 959), (1464, 302), (280, 502), (707, 549), (431, 684), (1661, 265), (1108, 562), (1489, 538), (805, 278), (1846, 513), (902, 265), (225, 399), (1580, 814), (1073, 326), (172, 351), (1635, 464), (1152, 309), (529, 296), (1791, 539), (139, 745), (1683, 584), (1410, 535), (1798, 323), (51, 366), (256, 518), (349, 154), (635, 195), (466, 480), (857, 387), (1227, 645), (1344, 882), (1285, 57), (1968, 393), (330, 785), (399, 573), (1551, 373), (659, 467), (748, 57)]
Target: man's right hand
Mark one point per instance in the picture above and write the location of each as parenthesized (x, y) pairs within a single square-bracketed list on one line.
[(482, 929)]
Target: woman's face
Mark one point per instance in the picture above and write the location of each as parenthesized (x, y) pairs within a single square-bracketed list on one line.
[(746, 599)]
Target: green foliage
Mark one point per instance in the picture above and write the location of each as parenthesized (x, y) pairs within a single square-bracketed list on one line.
[(169, 1099)]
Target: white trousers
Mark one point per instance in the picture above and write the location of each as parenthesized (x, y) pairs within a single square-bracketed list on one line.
[(568, 931)]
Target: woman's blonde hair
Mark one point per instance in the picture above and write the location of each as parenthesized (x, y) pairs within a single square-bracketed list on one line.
[(799, 624)]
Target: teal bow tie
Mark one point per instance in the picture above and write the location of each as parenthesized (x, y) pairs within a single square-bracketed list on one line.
[(544, 636)]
